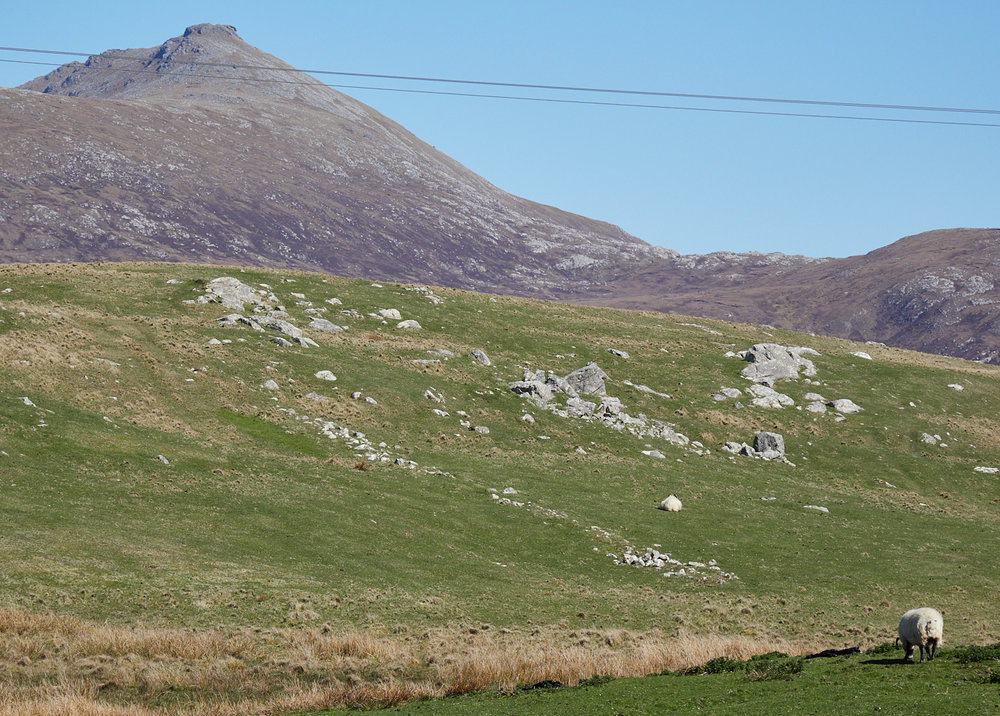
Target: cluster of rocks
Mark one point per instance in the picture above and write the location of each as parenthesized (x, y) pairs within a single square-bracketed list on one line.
[(770, 362), (653, 558), (561, 395), (766, 446), (267, 313)]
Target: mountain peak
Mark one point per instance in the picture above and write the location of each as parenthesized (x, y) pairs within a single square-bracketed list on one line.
[(207, 62), (207, 28)]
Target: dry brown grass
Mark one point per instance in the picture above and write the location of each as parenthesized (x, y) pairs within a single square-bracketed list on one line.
[(61, 665)]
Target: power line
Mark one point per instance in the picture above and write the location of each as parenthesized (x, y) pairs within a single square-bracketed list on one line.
[(521, 98), (523, 85)]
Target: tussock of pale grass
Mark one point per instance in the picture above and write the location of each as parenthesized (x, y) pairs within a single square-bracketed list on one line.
[(61, 665)]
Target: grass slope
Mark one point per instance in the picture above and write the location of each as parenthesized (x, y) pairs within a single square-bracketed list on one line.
[(260, 521)]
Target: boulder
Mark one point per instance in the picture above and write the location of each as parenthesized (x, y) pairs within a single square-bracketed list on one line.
[(321, 324), (408, 324), (326, 375), (772, 445), (390, 314), (620, 354), (770, 362), (588, 379), (481, 357), (845, 406), (231, 292)]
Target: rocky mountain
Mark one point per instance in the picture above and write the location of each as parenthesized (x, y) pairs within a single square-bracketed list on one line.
[(207, 149), (936, 292), (191, 151)]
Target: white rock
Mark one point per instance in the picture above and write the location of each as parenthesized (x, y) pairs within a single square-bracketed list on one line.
[(987, 470), (861, 354), (390, 314), (408, 323), (956, 386), (326, 375), (654, 453), (845, 406), (815, 507), (271, 385)]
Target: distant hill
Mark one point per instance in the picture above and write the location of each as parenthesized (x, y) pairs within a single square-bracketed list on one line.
[(206, 149)]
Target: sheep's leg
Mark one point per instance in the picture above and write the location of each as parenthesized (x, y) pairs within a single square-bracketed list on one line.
[(931, 648), (921, 653), (908, 647)]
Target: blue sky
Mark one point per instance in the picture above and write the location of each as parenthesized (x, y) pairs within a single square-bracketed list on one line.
[(692, 181)]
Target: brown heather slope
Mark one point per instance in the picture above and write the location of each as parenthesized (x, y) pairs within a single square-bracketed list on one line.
[(140, 155), (936, 292), (134, 155)]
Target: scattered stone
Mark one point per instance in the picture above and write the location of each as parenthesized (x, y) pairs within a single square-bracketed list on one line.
[(529, 419), (481, 357), (845, 406), (272, 385), (956, 386), (815, 507), (334, 302), (816, 407), (767, 397), (861, 354), (214, 342), (671, 503), (580, 451), (326, 375), (645, 389), (162, 459), (317, 397), (929, 439), (987, 470), (409, 324), (509, 491), (171, 281), (281, 342), (390, 314), (442, 353), (654, 453), (620, 354), (481, 429), (370, 400)]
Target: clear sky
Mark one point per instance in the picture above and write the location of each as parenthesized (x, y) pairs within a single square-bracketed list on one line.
[(689, 180)]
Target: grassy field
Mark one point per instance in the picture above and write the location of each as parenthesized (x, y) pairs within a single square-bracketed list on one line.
[(267, 566)]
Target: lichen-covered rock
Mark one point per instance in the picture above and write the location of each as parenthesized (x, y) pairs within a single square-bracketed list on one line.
[(770, 362), (589, 380)]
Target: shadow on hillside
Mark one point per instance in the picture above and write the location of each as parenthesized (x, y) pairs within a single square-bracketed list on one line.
[(885, 661)]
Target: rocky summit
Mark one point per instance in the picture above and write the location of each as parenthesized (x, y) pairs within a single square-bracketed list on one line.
[(207, 149)]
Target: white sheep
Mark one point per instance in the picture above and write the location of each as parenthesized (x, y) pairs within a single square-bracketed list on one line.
[(671, 504), (923, 627)]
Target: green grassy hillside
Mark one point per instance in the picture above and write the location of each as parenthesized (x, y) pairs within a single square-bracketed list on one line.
[(261, 522)]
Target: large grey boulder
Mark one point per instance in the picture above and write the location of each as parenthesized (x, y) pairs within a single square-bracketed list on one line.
[(481, 357), (770, 362), (276, 324), (321, 324), (770, 445), (231, 292), (589, 380)]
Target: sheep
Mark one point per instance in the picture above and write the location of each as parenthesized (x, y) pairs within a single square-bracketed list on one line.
[(923, 627), (671, 504)]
